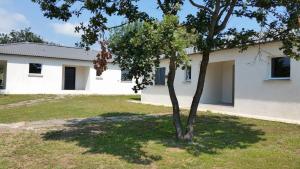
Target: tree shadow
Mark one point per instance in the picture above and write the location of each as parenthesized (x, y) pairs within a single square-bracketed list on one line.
[(135, 98), (126, 139), (118, 114)]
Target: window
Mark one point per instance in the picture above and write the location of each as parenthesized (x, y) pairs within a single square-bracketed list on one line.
[(160, 75), (280, 67), (125, 76), (35, 68), (188, 74)]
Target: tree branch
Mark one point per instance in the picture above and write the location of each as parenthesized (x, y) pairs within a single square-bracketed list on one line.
[(227, 17), (118, 26), (161, 5), (201, 6), (225, 6), (214, 20)]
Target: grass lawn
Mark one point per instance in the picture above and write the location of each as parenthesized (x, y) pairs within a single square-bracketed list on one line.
[(8, 99), (76, 107), (221, 142)]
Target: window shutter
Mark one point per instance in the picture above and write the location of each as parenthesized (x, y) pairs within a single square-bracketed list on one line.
[(160, 76)]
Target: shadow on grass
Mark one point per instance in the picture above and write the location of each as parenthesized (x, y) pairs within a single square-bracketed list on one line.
[(135, 98), (119, 114), (126, 139)]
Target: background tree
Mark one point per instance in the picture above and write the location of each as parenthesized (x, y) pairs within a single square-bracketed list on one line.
[(279, 18), (24, 35)]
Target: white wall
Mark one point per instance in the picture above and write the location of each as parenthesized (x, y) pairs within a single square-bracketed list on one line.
[(110, 82), (82, 77), (255, 96), (259, 96), (19, 81), (213, 88)]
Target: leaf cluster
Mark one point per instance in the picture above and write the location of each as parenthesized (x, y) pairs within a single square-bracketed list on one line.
[(138, 47), (98, 10)]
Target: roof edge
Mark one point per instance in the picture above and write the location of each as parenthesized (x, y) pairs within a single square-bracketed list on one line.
[(45, 44)]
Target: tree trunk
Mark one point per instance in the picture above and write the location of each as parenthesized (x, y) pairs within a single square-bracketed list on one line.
[(199, 90), (176, 111)]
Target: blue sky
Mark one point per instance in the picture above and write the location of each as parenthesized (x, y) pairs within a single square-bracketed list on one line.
[(19, 14)]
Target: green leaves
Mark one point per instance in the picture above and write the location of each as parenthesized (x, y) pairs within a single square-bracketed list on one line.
[(136, 49), (278, 20), (175, 39), (139, 46), (24, 35), (98, 12)]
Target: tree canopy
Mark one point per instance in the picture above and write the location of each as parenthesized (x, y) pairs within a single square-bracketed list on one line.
[(24, 35), (278, 17), (139, 46), (278, 20)]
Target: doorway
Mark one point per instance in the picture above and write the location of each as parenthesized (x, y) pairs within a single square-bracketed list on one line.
[(70, 78), (2, 75), (219, 84)]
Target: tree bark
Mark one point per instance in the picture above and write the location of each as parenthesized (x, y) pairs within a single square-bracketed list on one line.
[(176, 111), (196, 99)]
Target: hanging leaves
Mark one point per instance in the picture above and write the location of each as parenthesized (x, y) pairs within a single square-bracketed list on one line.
[(100, 63)]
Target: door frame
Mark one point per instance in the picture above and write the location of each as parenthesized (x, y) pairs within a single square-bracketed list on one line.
[(233, 84), (64, 73)]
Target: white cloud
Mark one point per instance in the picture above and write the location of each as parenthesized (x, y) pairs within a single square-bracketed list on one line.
[(66, 29), (11, 21)]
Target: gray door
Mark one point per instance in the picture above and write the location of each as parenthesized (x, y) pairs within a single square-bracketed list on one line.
[(70, 78)]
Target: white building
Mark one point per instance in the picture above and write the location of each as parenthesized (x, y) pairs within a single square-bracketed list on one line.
[(265, 86), (30, 68)]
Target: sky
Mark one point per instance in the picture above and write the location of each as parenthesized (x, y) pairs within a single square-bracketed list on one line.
[(20, 14)]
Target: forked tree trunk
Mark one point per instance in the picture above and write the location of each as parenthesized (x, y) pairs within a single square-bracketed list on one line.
[(199, 90), (176, 111)]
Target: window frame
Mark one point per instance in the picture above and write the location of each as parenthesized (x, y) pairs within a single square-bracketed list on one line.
[(272, 70), (34, 73)]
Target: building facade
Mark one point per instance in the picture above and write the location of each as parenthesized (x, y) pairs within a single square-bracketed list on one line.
[(29, 68), (260, 83)]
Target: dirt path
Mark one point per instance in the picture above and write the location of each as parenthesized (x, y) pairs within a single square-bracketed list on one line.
[(61, 123), (32, 102)]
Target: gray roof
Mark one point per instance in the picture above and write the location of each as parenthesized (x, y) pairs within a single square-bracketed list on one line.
[(47, 50)]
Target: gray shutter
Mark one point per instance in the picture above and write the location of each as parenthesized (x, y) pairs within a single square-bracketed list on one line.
[(160, 76), (157, 74)]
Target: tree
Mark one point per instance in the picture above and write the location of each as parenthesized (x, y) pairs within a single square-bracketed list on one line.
[(140, 46), (136, 49), (24, 35), (210, 23)]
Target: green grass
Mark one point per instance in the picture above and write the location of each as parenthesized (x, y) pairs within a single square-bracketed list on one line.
[(220, 142), (78, 107), (8, 99)]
